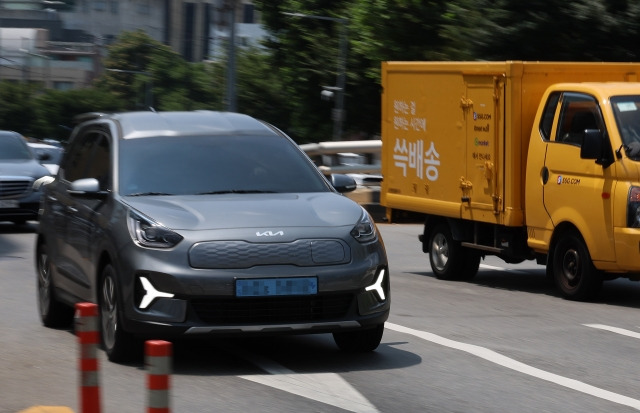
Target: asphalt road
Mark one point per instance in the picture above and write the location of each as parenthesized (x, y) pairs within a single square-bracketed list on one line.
[(505, 342)]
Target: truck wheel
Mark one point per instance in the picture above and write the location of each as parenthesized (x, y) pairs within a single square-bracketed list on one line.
[(449, 260), (573, 271)]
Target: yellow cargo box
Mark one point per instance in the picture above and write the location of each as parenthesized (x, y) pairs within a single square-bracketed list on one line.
[(455, 134)]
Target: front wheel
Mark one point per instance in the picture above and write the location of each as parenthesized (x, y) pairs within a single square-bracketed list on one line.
[(573, 271), (117, 343), (359, 341), (448, 259)]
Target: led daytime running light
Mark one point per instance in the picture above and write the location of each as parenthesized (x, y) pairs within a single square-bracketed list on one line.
[(151, 293), (377, 286)]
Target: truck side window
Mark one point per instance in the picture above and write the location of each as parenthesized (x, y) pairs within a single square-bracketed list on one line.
[(579, 112), (546, 123)]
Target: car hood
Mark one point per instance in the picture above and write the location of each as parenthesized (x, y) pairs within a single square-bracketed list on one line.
[(22, 168), (204, 212)]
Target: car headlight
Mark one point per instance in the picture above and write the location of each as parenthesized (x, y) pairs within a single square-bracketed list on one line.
[(365, 230), (148, 233)]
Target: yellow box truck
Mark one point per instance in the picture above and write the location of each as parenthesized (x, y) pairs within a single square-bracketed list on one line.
[(521, 160)]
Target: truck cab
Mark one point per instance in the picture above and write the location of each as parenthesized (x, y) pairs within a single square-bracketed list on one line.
[(582, 169)]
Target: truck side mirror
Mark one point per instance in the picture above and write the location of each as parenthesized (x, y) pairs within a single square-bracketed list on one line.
[(593, 147)]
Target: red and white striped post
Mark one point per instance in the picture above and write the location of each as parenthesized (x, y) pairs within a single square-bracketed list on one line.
[(86, 328), (158, 363)]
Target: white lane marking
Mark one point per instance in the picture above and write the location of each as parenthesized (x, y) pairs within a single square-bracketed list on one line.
[(327, 388), (615, 330), (504, 361)]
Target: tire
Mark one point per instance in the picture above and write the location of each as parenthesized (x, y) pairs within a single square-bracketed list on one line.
[(359, 341), (573, 271), (117, 343), (448, 259), (52, 312)]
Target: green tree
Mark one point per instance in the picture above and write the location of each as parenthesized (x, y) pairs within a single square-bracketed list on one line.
[(304, 53), (16, 111), (143, 72), (260, 88), (55, 110)]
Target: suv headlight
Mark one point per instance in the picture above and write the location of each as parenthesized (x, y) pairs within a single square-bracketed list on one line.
[(148, 233), (365, 230)]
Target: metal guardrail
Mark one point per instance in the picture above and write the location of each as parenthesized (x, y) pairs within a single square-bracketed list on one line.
[(328, 156)]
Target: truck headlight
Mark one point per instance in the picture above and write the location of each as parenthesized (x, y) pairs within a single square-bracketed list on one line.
[(633, 207), (148, 233)]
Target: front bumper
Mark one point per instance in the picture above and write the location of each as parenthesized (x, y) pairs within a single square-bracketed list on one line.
[(204, 301)]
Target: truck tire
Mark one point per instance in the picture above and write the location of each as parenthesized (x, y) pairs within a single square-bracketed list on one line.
[(573, 271), (448, 259)]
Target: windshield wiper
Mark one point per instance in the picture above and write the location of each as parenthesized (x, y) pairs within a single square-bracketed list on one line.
[(148, 194), (236, 191)]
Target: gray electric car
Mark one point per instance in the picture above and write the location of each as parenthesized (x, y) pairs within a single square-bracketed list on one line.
[(204, 223)]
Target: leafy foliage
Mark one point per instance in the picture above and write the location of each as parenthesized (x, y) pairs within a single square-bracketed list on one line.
[(281, 81)]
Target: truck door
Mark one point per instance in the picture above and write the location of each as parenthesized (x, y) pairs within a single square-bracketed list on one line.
[(484, 96), (578, 190)]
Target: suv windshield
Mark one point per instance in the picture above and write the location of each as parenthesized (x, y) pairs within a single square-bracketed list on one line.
[(12, 147), (214, 165)]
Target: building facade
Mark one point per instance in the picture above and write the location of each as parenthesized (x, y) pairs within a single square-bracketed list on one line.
[(62, 47)]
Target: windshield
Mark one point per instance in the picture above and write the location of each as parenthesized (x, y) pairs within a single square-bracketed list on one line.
[(627, 113), (215, 165), (12, 147)]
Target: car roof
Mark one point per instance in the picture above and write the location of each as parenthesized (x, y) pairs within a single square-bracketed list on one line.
[(146, 124), (38, 145), (7, 133)]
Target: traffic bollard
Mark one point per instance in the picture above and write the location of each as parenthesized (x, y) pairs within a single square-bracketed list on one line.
[(158, 363), (86, 328)]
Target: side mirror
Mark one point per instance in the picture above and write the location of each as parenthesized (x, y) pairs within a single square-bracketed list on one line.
[(44, 156), (594, 147), (40, 182), (85, 186), (343, 183), (591, 145)]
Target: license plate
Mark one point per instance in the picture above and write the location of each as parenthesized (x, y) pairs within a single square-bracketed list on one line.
[(9, 203), (265, 287)]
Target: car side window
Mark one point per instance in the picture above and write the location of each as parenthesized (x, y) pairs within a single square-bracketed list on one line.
[(78, 158), (89, 157), (99, 166)]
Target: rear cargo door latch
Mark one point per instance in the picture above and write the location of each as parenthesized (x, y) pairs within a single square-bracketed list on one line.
[(466, 186)]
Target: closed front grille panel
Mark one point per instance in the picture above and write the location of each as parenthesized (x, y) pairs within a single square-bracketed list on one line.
[(14, 187), (272, 310), (242, 254)]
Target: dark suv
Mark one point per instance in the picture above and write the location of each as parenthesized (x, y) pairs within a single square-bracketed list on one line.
[(205, 223), (19, 169)]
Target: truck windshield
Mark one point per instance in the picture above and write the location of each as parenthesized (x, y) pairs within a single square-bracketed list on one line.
[(627, 113)]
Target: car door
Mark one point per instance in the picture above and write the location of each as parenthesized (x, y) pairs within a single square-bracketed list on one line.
[(79, 213), (577, 189)]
